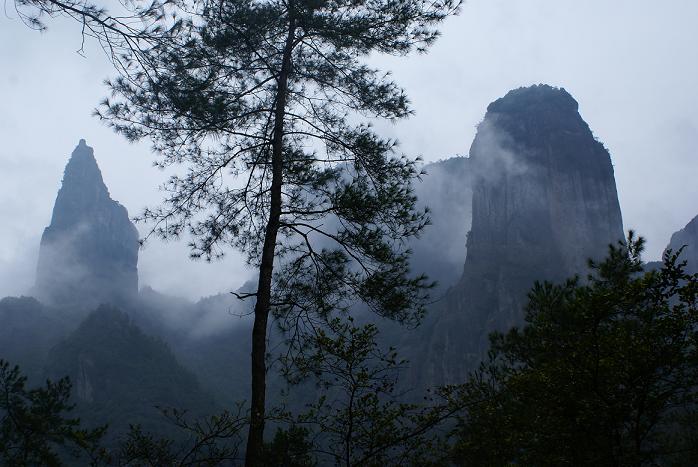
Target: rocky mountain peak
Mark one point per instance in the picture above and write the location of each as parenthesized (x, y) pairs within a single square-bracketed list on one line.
[(544, 202), (687, 238), (545, 196), (537, 99), (89, 252)]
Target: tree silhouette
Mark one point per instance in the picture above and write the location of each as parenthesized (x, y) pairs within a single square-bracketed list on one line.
[(269, 107), (603, 373), (34, 427)]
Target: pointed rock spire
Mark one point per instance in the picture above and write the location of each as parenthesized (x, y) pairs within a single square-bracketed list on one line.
[(89, 252)]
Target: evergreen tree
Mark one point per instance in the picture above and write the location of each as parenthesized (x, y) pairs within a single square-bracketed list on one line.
[(205, 441), (128, 31), (605, 372), (290, 448), (34, 427), (268, 105), (359, 419)]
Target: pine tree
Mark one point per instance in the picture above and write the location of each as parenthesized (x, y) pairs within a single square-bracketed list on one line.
[(603, 373), (359, 418), (269, 105), (34, 425)]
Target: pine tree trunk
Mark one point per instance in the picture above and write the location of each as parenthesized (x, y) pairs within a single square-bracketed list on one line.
[(255, 438)]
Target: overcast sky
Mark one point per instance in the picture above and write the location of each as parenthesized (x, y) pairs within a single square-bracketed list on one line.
[(632, 65)]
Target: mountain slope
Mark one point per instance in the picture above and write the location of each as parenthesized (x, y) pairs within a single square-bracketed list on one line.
[(120, 375)]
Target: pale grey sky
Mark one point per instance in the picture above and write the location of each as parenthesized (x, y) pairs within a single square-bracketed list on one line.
[(631, 64)]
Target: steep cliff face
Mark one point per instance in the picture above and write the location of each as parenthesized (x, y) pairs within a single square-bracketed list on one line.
[(446, 189), (687, 238), (89, 252), (544, 202)]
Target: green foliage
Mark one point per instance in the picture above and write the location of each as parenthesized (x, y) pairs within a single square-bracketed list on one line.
[(206, 441), (358, 419), (269, 105), (289, 448), (34, 429), (125, 31), (605, 372), (141, 448), (251, 84)]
